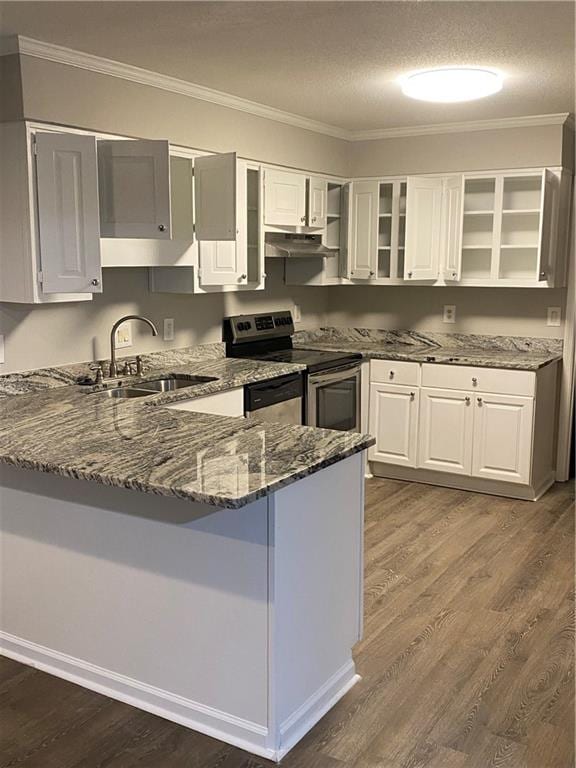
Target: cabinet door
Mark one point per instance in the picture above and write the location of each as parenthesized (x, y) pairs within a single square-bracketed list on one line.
[(215, 197), (452, 222), (503, 438), (284, 199), (317, 201), (394, 424), (225, 262), (363, 224), (549, 205), (69, 229), (446, 422), (423, 228), (134, 181)]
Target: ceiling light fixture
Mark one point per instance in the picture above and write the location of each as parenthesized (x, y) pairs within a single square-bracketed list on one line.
[(451, 84)]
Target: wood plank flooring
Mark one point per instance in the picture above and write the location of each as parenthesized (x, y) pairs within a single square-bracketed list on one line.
[(467, 656)]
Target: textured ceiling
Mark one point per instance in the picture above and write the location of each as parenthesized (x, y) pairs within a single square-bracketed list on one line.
[(332, 62)]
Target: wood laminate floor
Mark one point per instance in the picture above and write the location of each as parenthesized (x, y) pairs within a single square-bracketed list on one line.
[(467, 656)]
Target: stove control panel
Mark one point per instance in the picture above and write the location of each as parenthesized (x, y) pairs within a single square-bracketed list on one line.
[(273, 325)]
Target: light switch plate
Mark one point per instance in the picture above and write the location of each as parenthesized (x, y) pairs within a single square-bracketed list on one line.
[(449, 313), (124, 336), (1, 349), (168, 329), (554, 316)]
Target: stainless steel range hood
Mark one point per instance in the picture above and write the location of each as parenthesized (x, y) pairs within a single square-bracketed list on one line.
[(293, 246)]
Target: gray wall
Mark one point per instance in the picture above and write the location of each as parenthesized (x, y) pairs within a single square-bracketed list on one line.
[(55, 334), (11, 106), (499, 311)]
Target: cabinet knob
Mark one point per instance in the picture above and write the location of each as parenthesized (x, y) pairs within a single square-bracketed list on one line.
[(314, 220), (391, 374), (454, 275), (479, 400), (412, 395), (409, 274), (95, 281), (542, 275), (371, 274), (303, 219), (467, 400), (474, 381), (162, 227), (243, 277)]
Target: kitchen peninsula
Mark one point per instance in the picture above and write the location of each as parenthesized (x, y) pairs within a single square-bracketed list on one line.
[(205, 568)]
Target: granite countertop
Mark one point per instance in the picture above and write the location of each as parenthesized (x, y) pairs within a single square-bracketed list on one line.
[(223, 461), (518, 353)]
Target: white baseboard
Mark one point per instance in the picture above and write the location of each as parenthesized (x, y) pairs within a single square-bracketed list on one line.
[(308, 714), (244, 734)]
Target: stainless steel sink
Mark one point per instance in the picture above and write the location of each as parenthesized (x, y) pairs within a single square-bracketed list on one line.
[(169, 384), (124, 392)]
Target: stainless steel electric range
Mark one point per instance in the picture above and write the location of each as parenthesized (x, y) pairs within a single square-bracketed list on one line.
[(332, 379)]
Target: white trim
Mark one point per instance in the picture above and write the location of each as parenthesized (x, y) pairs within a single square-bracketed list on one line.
[(308, 714), (62, 55), (103, 66), (191, 714), (525, 121)]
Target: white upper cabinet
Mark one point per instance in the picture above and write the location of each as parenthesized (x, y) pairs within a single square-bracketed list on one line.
[(317, 202), (216, 196), (284, 198), (134, 181), (67, 190), (362, 249), (423, 227), (451, 240), (223, 261)]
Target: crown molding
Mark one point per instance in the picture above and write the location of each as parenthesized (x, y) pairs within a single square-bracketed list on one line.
[(62, 55), (526, 121), (57, 53)]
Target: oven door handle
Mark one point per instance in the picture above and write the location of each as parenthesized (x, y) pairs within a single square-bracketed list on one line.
[(335, 374)]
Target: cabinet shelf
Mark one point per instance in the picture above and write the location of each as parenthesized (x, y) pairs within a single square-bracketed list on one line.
[(385, 215), (521, 211), (476, 247), (479, 213), (333, 216), (528, 246)]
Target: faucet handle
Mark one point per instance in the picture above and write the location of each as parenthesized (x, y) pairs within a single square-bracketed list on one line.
[(130, 368), (97, 368), (139, 366)]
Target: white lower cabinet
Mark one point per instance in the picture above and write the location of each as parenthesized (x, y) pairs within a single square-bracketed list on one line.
[(502, 438), (445, 433), (394, 424), (227, 403), (496, 437)]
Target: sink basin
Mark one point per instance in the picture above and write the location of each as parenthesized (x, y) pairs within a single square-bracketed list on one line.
[(169, 384), (124, 392)]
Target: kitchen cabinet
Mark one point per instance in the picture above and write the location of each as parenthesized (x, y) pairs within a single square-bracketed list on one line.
[(445, 431), (432, 222), (217, 199), (316, 202), (502, 437), (394, 423), (224, 265), (49, 220), (362, 251), (482, 429), (228, 403), (67, 191), (284, 198), (134, 184)]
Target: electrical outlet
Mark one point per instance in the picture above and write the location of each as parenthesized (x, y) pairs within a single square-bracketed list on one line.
[(449, 313), (296, 313), (1, 348), (168, 329), (124, 336), (554, 316)]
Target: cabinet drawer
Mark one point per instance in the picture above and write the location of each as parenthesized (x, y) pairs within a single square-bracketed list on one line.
[(497, 380), (394, 372)]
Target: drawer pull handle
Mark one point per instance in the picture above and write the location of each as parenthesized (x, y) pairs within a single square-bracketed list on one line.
[(391, 375), (467, 399), (479, 399), (474, 381), (412, 395)]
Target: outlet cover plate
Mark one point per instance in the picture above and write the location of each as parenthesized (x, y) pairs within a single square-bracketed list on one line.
[(554, 316), (168, 329), (449, 313)]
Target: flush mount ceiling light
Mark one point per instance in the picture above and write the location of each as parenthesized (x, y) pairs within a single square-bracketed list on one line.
[(451, 84)]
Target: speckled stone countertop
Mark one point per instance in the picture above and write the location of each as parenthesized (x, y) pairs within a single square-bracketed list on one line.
[(513, 352), (223, 461)]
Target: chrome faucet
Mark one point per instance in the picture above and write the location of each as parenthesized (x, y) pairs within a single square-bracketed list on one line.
[(117, 324)]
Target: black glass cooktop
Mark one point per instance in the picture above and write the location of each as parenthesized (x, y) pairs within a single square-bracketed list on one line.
[(313, 359)]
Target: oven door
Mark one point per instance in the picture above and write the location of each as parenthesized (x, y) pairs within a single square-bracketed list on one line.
[(333, 400)]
